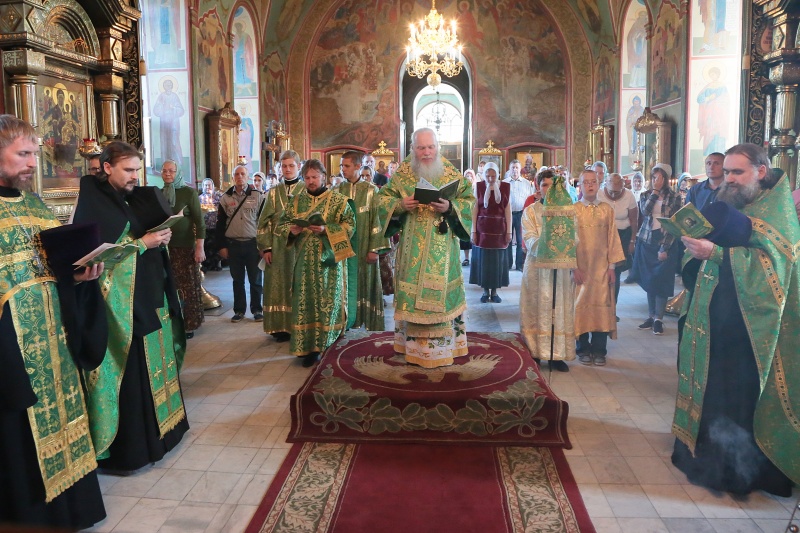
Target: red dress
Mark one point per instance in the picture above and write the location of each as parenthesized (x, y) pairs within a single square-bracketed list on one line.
[(490, 224)]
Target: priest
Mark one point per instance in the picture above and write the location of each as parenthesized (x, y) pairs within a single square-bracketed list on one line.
[(429, 286), (136, 406), (50, 329), (317, 226)]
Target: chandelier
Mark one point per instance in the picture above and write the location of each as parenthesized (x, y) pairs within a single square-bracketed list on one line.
[(433, 48)]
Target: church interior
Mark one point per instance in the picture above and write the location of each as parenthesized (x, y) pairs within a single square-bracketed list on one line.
[(212, 84)]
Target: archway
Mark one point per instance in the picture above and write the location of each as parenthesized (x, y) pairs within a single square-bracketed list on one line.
[(411, 87)]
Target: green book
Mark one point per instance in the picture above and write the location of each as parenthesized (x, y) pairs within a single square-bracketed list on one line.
[(314, 219), (108, 253), (687, 221)]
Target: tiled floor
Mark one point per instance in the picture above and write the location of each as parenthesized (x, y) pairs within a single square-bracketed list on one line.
[(237, 382)]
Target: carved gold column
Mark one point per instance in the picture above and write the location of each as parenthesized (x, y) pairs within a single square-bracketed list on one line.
[(24, 67), (109, 85), (783, 62)]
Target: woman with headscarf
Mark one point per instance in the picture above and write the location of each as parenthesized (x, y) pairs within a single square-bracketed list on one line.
[(491, 233), (186, 247), (637, 185), (656, 254), (260, 182)]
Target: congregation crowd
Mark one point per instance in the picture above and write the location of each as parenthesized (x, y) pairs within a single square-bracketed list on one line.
[(92, 356)]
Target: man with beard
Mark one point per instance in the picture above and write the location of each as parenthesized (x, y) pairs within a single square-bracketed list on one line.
[(321, 249), (739, 366), (429, 288), (278, 258), (47, 460), (136, 408)]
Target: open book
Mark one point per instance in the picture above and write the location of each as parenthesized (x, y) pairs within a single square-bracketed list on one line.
[(108, 253), (314, 219), (171, 221), (688, 221), (426, 193)]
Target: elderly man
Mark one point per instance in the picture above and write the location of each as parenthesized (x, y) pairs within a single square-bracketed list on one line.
[(521, 189), (47, 459), (626, 218), (237, 223), (279, 258), (739, 363), (429, 287)]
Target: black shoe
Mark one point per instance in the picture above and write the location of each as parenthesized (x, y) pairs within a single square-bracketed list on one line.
[(190, 334), (495, 298), (310, 359), (647, 324), (484, 298), (282, 336), (258, 317), (538, 362), (629, 280), (599, 360), (658, 327), (237, 317), (559, 366), (617, 319), (518, 269), (585, 358)]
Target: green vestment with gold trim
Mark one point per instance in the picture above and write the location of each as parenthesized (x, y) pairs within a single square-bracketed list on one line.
[(765, 274), (319, 279), (368, 238), (59, 421), (429, 286), (278, 275)]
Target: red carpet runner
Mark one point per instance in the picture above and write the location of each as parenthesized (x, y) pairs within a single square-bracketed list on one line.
[(392, 488), (384, 447), (362, 392)]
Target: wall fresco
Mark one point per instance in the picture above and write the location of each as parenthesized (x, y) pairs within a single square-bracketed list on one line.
[(520, 89)]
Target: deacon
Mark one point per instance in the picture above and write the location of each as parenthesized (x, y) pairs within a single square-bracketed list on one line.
[(547, 297), (598, 252), (429, 287), (367, 296), (136, 406), (736, 412), (278, 258), (47, 460), (319, 292)]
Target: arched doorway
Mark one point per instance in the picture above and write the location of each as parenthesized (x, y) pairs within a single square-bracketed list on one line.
[(413, 90)]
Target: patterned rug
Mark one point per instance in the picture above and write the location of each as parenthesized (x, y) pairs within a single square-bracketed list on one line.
[(362, 392), (390, 488)]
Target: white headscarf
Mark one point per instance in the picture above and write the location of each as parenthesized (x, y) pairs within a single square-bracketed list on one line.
[(491, 187)]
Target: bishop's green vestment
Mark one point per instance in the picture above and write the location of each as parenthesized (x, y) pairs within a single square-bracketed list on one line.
[(278, 275), (319, 272), (368, 238), (429, 286)]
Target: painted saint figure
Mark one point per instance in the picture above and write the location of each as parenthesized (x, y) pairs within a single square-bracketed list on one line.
[(169, 110)]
